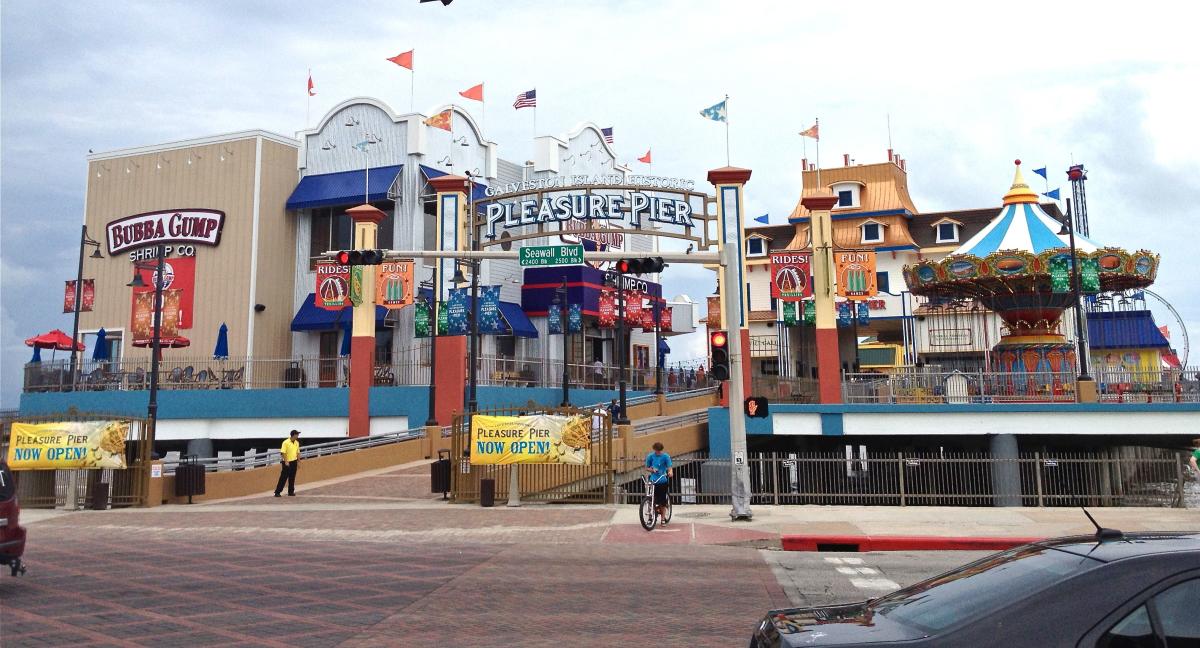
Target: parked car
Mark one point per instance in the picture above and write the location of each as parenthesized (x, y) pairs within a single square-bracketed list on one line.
[(1111, 590), (12, 534)]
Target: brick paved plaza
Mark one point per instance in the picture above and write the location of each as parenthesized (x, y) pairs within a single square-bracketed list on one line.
[(339, 566)]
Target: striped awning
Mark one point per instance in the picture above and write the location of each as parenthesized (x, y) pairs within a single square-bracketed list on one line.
[(1022, 226)]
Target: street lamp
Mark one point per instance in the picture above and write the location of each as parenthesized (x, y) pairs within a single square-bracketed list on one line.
[(85, 241), (619, 277), (155, 342), (1069, 228), (475, 264), (560, 300), (658, 355), (431, 418)]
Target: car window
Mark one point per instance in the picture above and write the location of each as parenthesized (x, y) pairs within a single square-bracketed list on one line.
[(1134, 631), (1178, 610), (980, 587)]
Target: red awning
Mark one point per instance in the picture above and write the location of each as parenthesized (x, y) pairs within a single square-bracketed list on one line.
[(55, 339)]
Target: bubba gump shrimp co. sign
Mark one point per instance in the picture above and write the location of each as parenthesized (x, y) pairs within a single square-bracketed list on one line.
[(195, 226)]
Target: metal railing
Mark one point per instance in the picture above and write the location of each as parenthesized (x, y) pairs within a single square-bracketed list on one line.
[(962, 387), (1119, 477), (784, 389), (271, 457), (659, 424)]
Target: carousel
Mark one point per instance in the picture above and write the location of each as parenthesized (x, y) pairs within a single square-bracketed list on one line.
[(1019, 267)]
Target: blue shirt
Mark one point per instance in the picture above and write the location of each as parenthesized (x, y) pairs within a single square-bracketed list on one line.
[(660, 463)]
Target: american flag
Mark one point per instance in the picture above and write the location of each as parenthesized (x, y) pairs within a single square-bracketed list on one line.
[(526, 100), (607, 132)]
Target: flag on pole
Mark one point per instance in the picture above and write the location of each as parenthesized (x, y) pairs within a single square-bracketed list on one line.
[(1041, 172), (440, 120), (765, 219), (1053, 194), (527, 99), (474, 92), (715, 112), (813, 132), (404, 60), (311, 89), (645, 158), (607, 132)]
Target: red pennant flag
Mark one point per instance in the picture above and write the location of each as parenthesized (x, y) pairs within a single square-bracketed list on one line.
[(645, 158), (404, 60), (311, 90), (474, 92), (814, 132)]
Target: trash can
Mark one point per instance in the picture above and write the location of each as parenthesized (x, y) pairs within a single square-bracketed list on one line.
[(487, 492), (439, 474), (293, 376), (99, 496), (189, 478)]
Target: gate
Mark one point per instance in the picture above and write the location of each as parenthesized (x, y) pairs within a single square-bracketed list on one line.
[(591, 483), (57, 488)]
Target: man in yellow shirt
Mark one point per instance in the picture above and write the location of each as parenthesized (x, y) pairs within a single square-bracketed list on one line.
[(290, 455)]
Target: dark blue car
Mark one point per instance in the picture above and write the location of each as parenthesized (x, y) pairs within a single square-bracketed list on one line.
[(1132, 590)]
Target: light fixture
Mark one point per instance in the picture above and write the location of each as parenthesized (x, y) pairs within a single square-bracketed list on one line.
[(459, 277), (137, 281), (258, 308), (328, 145), (96, 254), (351, 121), (446, 161)]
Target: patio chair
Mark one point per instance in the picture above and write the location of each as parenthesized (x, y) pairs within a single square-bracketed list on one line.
[(202, 379), (175, 379), (136, 379), (188, 377), (384, 377), (232, 378)]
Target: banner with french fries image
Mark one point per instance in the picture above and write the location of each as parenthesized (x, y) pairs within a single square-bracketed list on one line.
[(543, 438), (68, 444)]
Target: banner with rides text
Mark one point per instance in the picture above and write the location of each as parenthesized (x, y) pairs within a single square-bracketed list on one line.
[(790, 275), (68, 444), (542, 438)]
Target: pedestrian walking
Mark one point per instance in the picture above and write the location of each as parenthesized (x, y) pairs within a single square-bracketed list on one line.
[(700, 377), (598, 372), (290, 455)]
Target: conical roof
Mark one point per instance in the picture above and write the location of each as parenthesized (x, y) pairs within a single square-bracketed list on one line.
[(1022, 224)]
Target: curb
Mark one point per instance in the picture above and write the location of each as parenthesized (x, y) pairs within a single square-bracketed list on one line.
[(853, 543)]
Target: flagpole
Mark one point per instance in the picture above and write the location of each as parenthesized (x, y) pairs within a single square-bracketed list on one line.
[(818, 153), (727, 163), (412, 90), (308, 109)]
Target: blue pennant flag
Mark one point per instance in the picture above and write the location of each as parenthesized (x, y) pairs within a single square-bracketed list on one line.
[(1053, 193), (715, 112), (1041, 172), (765, 219)]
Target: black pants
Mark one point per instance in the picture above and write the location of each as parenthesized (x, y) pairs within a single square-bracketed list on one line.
[(287, 473)]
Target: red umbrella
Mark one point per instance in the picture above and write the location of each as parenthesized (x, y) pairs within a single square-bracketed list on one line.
[(55, 339)]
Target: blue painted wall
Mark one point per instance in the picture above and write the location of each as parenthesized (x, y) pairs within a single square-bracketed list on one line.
[(410, 401), (718, 429)]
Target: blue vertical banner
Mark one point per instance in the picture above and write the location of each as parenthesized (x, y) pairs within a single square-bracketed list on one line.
[(843, 313), (864, 314), (575, 318), (456, 313), (554, 319), (490, 321)]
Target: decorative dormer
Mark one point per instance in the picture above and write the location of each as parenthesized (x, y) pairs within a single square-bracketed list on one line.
[(849, 194), (871, 231), (946, 230), (757, 245)]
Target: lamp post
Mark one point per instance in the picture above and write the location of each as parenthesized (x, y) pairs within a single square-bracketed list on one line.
[(560, 300), (84, 242), (431, 418), (460, 280), (1076, 297), (623, 417), (658, 355), (475, 265), (155, 342)]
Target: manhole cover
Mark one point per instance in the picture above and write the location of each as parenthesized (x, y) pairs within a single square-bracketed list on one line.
[(698, 514)]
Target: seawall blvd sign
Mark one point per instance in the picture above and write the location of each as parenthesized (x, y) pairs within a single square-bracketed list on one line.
[(551, 255), (197, 226)]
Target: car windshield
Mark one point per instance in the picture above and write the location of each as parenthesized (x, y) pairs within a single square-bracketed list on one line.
[(979, 588)]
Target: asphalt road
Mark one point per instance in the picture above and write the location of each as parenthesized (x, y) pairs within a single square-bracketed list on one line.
[(828, 578)]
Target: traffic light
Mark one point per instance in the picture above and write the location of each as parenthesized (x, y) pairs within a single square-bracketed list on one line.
[(638, 266), (718, 348), (359, 257), (756, 407)]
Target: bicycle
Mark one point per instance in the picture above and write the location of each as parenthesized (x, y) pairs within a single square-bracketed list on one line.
[(646, 513)]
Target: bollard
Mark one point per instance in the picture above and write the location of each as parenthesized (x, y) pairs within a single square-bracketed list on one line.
[(514, 486)]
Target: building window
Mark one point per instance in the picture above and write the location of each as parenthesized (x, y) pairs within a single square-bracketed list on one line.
[(770, 367), (881, 281), (846, 198), (333, 229), (749, 307), (847, 193), (754, 247), (872, 233), (947, 233)]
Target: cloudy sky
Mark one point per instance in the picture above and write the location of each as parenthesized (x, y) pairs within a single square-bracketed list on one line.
[(968, 86)]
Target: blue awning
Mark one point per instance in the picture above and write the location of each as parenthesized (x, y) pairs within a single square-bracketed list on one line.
[(312, 318), (342, 188), (477, 188), (1124, 330), (517, 320)]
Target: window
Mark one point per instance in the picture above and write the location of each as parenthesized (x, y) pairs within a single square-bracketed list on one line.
[(1134, 631), (1175, 611), (754, 247), (947, 233), (429, 239), (881, 282), (748, 306), (872, 233), (845, 198), (847, 193), (333, 229)]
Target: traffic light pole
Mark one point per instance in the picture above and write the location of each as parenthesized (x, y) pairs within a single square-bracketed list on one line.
[(623, 417)]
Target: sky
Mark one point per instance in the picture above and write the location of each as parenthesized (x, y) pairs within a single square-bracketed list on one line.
[(967, 87)]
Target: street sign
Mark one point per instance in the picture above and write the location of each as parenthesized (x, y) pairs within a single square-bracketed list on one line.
[(551, 255)]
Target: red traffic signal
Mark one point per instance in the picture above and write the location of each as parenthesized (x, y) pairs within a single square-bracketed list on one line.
[(637, 266), (718, 339), (718, 348), (359, 257), (756, 407)]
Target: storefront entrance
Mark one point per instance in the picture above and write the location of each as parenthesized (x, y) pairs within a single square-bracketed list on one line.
[(328, 359)]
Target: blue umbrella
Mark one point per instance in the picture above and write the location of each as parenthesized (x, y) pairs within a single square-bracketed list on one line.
[(222, 348), (101, 351), (345, 341), (37, 354)]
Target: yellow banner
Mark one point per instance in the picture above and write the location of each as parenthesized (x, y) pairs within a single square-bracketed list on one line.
[(69, 444), (531, 439)]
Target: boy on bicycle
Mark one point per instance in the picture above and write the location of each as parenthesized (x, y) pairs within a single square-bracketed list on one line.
[(658, 464)]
